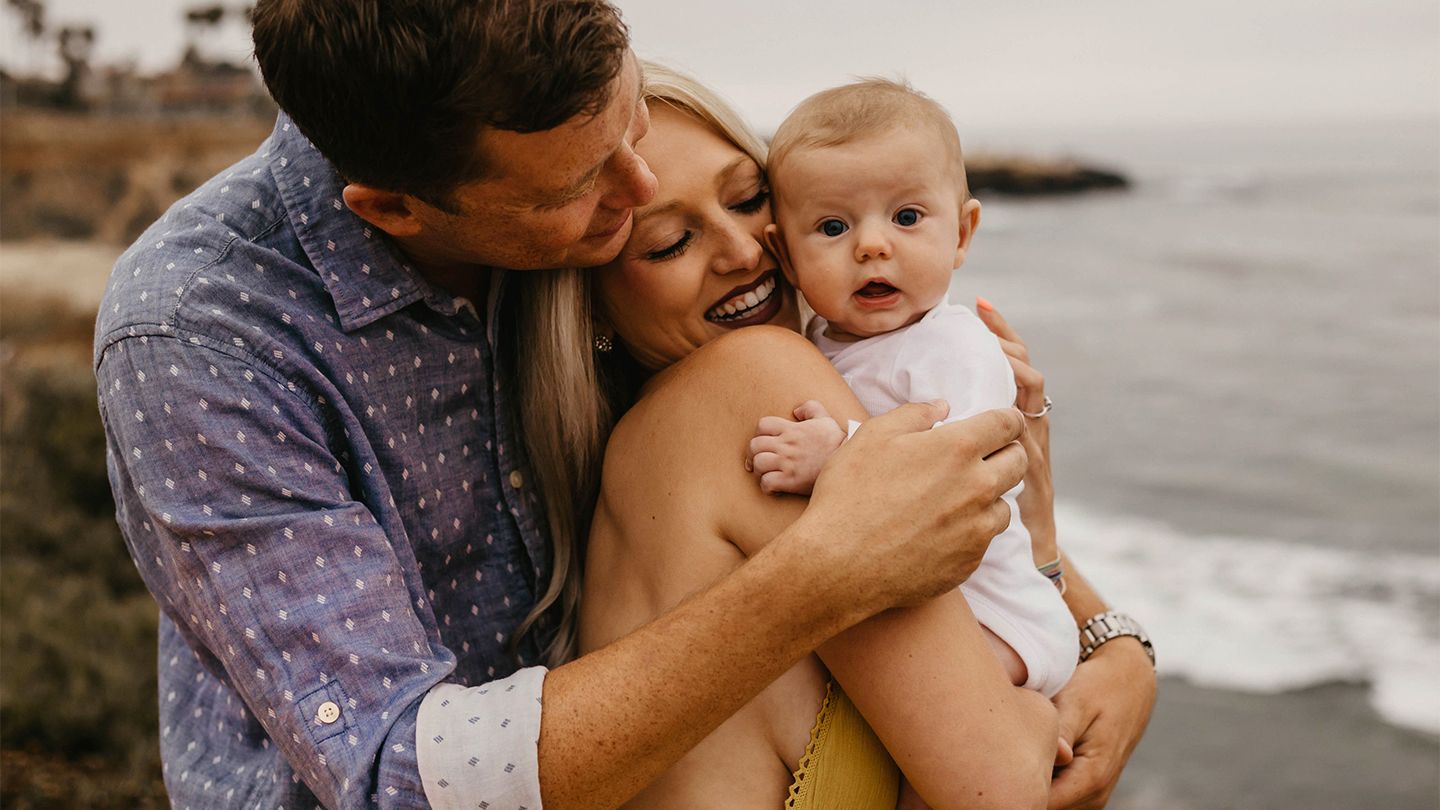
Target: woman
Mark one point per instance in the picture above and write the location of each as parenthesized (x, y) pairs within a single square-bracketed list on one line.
[(922, 676)]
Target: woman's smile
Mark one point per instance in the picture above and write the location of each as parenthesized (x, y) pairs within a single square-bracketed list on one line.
[(748, 304)]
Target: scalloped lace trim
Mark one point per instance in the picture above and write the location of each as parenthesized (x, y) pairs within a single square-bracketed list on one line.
[(804, 776)]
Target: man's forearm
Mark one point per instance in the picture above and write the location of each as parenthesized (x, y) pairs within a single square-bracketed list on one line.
[(616, 718)]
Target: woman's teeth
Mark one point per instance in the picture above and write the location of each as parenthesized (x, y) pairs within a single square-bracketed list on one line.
[(742, 306)]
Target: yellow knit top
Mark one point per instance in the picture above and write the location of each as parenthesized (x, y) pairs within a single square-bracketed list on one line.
[(845, 765)]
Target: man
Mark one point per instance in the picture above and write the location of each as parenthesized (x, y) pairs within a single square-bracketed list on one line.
[(301, 369)]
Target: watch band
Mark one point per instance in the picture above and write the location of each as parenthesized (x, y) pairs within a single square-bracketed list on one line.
[(1103, 627)]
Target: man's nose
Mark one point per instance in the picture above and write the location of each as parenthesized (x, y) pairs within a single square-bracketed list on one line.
[(635, 184)]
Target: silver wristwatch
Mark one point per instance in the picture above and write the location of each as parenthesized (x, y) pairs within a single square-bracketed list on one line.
[(1103, 627)]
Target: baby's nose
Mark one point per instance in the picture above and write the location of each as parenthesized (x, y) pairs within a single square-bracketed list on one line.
[(872, 245)]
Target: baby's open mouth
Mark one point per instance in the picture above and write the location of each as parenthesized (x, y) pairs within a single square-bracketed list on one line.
[(876, 289), (745, 304)]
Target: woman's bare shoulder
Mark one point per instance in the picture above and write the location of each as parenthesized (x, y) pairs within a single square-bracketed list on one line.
[(674, 481), (685, 409), (692, 426), (748, 372), (718, 393)]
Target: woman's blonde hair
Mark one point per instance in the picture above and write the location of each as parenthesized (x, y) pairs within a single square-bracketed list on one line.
[(570, 400)]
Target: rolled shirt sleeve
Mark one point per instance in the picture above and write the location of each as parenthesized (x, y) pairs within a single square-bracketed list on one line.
[(478, 746), (233, 493)]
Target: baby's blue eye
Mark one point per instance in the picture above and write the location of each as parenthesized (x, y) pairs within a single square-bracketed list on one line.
[(907, 217), (833, 227)]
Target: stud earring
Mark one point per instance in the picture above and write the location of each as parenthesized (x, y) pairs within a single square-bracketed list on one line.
[(604, 344)]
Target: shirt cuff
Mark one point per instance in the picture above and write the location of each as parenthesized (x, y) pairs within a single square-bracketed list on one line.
[(478, 746)]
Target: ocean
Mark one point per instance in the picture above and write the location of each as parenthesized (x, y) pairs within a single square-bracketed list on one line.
[(1244, 352)]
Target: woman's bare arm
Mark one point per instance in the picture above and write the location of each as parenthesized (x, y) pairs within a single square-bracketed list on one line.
[(1103, 710), (923, 675), (616, 718)]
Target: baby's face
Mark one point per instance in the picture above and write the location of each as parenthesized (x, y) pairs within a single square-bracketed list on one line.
[(872, 229)]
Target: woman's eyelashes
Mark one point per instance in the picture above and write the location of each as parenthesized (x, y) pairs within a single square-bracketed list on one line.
[(674, 249), (748, 206), (754, 203)]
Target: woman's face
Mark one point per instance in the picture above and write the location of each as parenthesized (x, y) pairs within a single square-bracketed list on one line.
[(694, 266)]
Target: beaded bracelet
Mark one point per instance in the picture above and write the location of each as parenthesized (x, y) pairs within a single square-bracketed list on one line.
[(1054, 573)]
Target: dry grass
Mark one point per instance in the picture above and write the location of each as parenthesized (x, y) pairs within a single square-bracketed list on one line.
[(92, 177)]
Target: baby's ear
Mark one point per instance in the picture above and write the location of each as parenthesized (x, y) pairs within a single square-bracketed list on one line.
[(969, 223), (775, 240)]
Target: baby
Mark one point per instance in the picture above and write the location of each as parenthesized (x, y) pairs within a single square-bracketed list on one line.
[(872, 216)]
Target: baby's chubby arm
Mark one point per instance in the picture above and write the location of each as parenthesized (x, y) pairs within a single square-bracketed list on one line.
[(788, 455)]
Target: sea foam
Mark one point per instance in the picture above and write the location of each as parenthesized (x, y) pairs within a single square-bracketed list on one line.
[(1262, 615)]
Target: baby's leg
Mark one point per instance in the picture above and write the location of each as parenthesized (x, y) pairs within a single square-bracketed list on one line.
[(1009, 659)]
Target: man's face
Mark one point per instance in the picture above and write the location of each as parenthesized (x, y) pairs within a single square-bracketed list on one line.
[(557, 198)]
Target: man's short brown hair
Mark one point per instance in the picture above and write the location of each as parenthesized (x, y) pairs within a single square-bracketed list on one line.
[(865, 108), (396, 93)]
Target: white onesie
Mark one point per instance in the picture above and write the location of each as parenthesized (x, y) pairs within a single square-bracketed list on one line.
[(950, 355)]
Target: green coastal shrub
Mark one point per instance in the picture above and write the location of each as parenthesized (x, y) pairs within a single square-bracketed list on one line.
[(78, 723)]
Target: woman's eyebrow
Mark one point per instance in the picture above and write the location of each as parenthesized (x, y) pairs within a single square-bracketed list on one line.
[(734, 166)]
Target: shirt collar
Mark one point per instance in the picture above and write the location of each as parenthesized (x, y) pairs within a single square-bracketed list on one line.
[(366, 276)]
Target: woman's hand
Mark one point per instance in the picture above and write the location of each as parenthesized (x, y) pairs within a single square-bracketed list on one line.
[(1103, 710), (1107, 703), (1037, 502)]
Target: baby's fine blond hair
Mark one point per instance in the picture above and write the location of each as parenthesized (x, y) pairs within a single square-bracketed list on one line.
[(867, 107)]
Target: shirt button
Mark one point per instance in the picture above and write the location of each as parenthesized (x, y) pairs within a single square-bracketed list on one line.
[(516, 479), (328, 712)]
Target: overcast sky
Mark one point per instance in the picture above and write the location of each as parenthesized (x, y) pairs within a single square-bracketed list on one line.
[(1007, 64)]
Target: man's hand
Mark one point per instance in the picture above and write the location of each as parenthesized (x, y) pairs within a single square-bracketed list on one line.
[(788, 455), (1103, 711), (906, 512)]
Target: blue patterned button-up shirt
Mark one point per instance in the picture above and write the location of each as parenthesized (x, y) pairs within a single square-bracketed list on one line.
[(318, 478)]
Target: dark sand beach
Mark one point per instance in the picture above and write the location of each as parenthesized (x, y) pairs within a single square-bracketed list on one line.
[(1320, 749)]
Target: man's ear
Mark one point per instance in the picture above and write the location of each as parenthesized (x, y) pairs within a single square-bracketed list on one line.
[(776, 242), (389, 211), (969, 223)]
